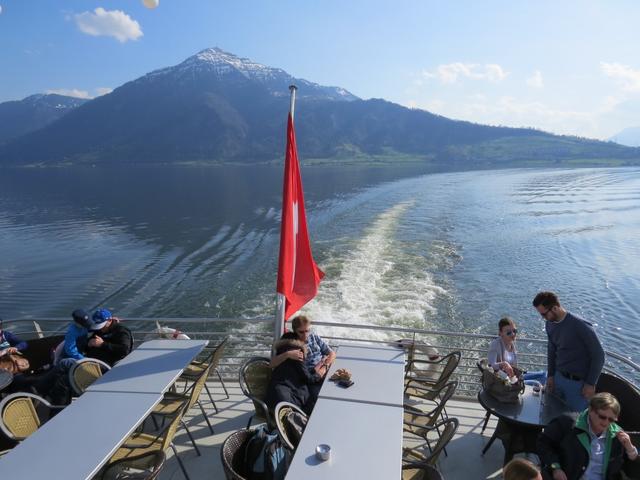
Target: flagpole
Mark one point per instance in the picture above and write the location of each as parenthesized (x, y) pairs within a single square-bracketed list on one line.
[(280, 301)]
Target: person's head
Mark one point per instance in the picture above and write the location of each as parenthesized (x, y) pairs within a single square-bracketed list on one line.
[(520, 469), (548, 306), (81, 318), (301, 325), (604, 410), (507, 329), (102, 319), (289, 341)]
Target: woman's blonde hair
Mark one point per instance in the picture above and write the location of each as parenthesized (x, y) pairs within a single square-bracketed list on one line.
[(605, 401), (519, 469)]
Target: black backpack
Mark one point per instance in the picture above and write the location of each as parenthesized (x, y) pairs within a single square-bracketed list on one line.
[(265, 458)]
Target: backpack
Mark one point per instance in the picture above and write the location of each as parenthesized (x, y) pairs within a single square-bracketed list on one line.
[(294, 424), (265, 457)]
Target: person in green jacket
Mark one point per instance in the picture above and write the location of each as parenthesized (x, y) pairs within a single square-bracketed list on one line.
[(593, 447)]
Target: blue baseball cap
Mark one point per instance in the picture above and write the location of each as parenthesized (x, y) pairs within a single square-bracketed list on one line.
[(100, 318)]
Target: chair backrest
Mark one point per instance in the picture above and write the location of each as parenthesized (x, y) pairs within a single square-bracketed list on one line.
[(231, 454), (18, 415), (255, 376), (421, 472), (289, 433), (437, 372), (84, 372), (197, 386), (140, 467), (166, 435), (627, 395), (449, 426), (416, 416), (218, 353)]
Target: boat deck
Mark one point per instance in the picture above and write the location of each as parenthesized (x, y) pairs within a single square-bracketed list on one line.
[(464, 460)]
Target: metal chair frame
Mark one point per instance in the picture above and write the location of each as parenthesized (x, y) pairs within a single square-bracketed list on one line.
[(76, 386), (261, 409)]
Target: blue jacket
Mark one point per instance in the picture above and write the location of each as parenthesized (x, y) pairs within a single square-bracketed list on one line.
[(74, 340), (8, 339)]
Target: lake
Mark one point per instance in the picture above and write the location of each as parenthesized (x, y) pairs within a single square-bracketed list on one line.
[(399, 245)]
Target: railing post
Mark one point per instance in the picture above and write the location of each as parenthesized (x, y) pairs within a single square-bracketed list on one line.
[(36, 327)]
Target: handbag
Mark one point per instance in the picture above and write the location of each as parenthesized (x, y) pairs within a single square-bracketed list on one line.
[(501, 389)]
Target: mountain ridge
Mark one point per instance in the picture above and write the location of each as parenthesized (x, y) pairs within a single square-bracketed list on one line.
[(218, 107)]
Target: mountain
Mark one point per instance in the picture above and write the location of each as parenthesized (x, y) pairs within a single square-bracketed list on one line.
[(217, 107), (32, 113), (629, 137)]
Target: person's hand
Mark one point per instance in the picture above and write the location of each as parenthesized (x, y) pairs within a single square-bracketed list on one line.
[(508, 369), (96, 341), (295, 355), (11, 350), (321, 368), (630, 448), (559, 474), (549, 385), (588, 391)]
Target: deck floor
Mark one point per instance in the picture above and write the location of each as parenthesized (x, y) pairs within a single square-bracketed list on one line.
[(463, 462)]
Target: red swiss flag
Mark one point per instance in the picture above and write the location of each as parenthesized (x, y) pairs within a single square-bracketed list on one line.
[(298, 274)]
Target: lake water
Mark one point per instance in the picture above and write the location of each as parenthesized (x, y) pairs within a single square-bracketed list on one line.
[(399, 246)]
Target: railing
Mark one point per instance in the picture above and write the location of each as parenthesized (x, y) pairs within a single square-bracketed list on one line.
[(253, 337)]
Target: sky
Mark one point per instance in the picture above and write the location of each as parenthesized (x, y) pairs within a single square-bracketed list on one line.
[(567, 67)]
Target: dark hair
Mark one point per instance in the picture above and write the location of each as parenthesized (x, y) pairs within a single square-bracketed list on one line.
[(505, 321), (546, 299), (289, 336), (519, 469), (298, 322)]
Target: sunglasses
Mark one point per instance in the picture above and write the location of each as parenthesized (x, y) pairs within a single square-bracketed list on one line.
[(604, 417), (544, 314), (510, 333)]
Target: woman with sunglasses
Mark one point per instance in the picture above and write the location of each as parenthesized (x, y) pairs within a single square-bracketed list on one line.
[(591, 447), (502, 351)]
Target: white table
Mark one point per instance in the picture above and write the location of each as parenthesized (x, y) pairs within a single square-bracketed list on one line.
[(378, 376), (78, 441), (362, 423), (151, 368), (365, 440)]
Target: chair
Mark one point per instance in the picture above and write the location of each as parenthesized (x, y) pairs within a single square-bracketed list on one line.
[(195, 368), (255, 375), (415, 456), (285, 430), (436, 398), (420, 471), (142, 467), (19, 416), (172, 402), (141, 443), (84, 372), (626, 394), (432, 373), (231, 454)]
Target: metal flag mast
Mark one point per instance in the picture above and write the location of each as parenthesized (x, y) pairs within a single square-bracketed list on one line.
[(280, 300)]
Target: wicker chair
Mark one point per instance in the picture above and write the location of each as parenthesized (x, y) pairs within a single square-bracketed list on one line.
[(436, 399), (195, 368), (19, 414), (420, 472), (415, 456), (173, 401), (141, 443), (280, 412), (84, 372), (255, 376), (142, 467), (231, 454)]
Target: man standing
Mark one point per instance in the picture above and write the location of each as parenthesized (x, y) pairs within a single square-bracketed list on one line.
[(111, 341), (574, 354)]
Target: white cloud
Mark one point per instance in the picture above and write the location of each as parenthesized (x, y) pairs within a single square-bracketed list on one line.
[(109, 23), (624, 74), (0, 9), (452, 72), (73, 92), (535, 80), (103, 91)]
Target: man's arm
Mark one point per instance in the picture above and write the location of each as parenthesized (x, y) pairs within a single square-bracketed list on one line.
[(15, 342), (71, 343), (290, 354), (119, 344), (595, 352)]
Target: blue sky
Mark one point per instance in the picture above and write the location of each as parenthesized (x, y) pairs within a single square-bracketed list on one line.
[(568, 67)]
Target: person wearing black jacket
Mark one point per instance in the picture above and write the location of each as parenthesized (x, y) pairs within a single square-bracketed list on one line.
[(111, 340), (290, 380), (591, 447)]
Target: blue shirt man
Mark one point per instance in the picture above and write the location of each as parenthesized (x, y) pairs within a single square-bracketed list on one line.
[(575, 356)]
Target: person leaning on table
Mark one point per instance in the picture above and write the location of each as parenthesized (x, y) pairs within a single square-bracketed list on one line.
[(591, 448)]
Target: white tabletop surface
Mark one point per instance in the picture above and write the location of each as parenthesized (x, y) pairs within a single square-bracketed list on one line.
[(80, 439), (375, 381), (151, 368), (365, 440), (380, 352)]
